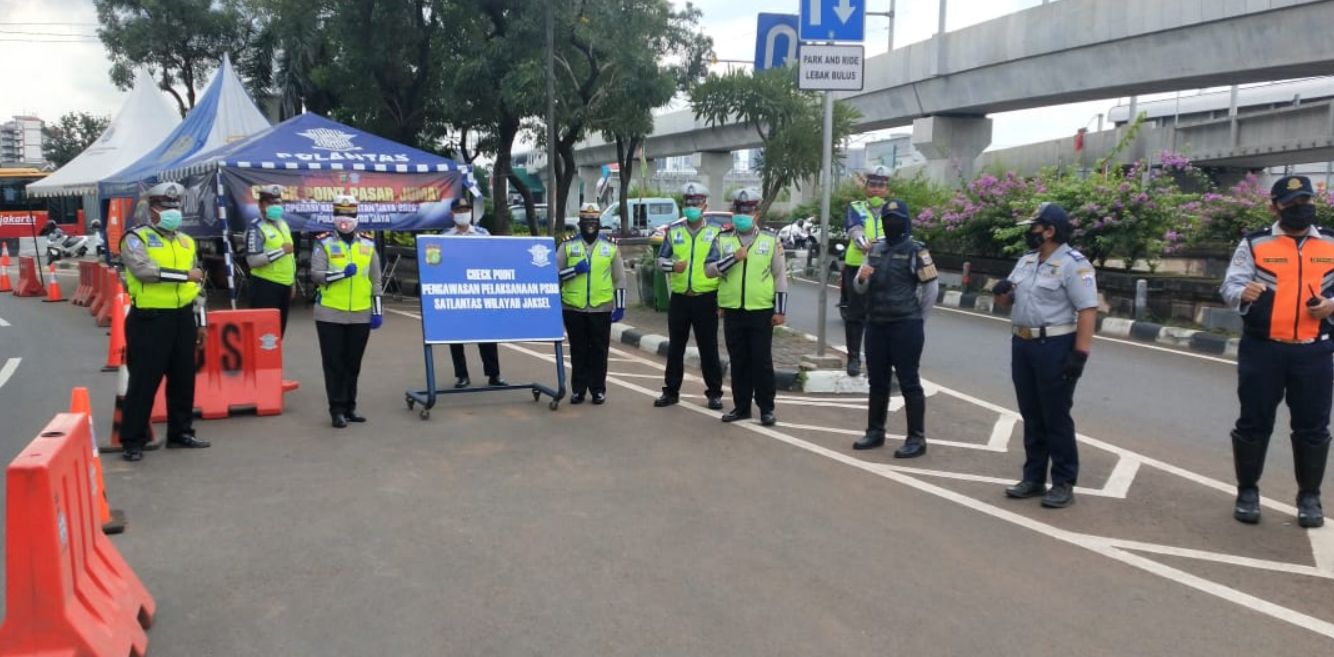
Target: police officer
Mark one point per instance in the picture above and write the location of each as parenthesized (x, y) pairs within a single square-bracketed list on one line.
[(592, 296), (1055, 300), (461, 211), (349, 306), (863, 227), (694, 301), (271, 258), (899, 283), (166, 324), (753, 297), (1280, 282)]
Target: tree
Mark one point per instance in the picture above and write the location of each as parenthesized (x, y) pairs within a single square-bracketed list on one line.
[(71, 135), (789, 122)]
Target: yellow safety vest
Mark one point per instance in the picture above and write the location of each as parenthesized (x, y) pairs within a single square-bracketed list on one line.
[(854, 257), (692, 248), (177, 253), (351, 294), (595, 287), (283, 270), (749, 284)]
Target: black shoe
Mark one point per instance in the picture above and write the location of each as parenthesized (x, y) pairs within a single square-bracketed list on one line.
[(854, 366), (133, 454), (914, 447), (353, 416), (599, 398), (1059, 497), (873, 439), (767, 418), (339, 421), (736, 414), (667, 399), (577, 398), (186, 441), (463, 382), (1247, 509), (716, 403), (1309, 513), (1026, 489), (496, 382)]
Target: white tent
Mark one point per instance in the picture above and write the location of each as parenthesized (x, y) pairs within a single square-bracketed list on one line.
[(145, 119)]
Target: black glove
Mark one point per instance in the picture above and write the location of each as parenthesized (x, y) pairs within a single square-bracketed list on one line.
[(1074, 365), (1002, 287)]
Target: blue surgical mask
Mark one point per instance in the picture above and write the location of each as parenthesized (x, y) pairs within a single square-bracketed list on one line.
[(693, 214), (743, 222), (273, 212), (169, 220)]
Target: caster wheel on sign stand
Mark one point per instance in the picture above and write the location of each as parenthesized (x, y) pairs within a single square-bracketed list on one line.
[(536, 395), (411, 403), (553, 405), (425, 414)]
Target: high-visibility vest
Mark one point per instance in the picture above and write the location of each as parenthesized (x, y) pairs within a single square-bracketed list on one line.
[(283, 270), (854, 257), (595, 287), (692, 248), (352, 294), (175, 253), (749, 284), (1296, 272)]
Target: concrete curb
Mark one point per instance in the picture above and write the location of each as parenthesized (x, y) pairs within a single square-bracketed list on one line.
[(786, 380), (1199, 341)]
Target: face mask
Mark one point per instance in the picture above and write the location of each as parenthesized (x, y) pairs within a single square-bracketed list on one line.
[(743, 223), (1297, 217), (169, 220), (462, 218), (1035, 240), (273, 212), (895, 227), (345, 225), (876, 201), (589, 230), (693, 214)]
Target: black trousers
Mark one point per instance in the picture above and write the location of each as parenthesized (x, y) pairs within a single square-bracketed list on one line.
[(853, 311), (590, 340), (490, 359), (341, 349), (699, 313), (157, 343), (750, 338), (267, 294), (1045, 400), (895, 349)]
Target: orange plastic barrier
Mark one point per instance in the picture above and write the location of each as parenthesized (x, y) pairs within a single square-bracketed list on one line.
[(53, 287), (113, 522), (242, 367), (29, 285), (116, 343), (83, 294), (99, 290), (112, 290), (68, 590)]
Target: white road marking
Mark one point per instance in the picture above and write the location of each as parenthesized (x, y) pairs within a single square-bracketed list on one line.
[(1123, 475), (1219, 557), (3, 322), (1001, 432), (8, 370)]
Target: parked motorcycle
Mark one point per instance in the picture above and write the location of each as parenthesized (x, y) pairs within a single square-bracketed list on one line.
[(60, 246)]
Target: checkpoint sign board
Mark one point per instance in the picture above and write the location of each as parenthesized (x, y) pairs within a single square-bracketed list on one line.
[(776, 43), (832, 68), (489, 289), (833, 20)]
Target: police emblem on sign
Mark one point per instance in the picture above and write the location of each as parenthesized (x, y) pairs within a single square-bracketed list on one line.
[(541, 255), (268, 342), (432, 254)]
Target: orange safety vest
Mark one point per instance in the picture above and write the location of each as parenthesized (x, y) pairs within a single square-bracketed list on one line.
[(1295, 270)]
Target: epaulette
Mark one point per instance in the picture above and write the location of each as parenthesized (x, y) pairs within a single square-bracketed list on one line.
[(1263, 232), (729, 228), (1076, 255), (367, 235), (1326, 232), (318, 237)]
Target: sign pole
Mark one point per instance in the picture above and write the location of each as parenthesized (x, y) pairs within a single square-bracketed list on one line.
[(827, 158)]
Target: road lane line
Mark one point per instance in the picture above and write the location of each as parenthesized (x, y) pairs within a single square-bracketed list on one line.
[(1123, 475), (1219, 557), (3, 322), (1001, 432), (1322, 545), (8, 370)]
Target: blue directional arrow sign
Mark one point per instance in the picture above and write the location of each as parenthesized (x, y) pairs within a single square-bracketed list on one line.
[(776, 43), (833, 20)]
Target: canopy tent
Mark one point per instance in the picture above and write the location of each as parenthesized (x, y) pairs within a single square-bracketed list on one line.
[(224, 114), (316, 159), (145, 119)]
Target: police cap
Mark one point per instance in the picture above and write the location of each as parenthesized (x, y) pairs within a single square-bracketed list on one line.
[(165, 195), (1288, 188)]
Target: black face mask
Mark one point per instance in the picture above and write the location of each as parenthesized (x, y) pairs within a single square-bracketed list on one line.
[(1297, 217), (895, 227), (589, 230), (1035, 240)]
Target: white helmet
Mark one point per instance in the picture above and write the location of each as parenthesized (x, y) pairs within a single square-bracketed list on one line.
[(165, 195), (590, 211), (878, 174), (270, 193), (345, 213), (694, 194), (746, 199)]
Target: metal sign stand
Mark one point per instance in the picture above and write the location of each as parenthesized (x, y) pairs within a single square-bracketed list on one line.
[(427, 397)]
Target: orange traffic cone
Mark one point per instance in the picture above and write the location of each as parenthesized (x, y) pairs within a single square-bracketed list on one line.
[(116, 345), (123, 385), (53, 288), (113, 522), (5, 285), (4, 253)]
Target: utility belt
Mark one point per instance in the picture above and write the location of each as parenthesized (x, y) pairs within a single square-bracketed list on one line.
[(187, 308), (1042, 332), (1261, 336), (692, 293)]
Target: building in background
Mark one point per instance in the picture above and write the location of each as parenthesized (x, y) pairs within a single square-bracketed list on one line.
[(21, 141)]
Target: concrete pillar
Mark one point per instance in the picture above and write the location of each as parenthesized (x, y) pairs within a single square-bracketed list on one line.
[(589, 177), (951, 145), (713, 169)]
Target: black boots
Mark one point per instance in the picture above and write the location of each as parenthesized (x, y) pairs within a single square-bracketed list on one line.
[(1248, 456), (915, 445), (1309, 462), (852, 332), (876, 412)]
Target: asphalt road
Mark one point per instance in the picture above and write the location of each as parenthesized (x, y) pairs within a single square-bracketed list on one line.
[(499, 527)]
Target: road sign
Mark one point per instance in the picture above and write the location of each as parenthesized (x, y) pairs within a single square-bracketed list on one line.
[(832, 67), (776, 41), (833, 20)]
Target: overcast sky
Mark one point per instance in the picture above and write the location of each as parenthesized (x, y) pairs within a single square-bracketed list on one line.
[(48, 76)]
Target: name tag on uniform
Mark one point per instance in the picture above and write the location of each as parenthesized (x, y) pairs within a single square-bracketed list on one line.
[(727, 249), (577, 250), (336, 252), (606, 251), (762, 248), (152, 239), (710, 234), (678, 238)]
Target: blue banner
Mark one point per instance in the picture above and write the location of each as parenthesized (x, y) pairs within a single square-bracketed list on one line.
[(489, 289)]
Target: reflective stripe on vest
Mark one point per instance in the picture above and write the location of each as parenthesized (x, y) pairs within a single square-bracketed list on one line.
[(595, 287), (349, 294), (749, 284), (1298, 270), (872, 228), (178, 253), (283, 270), (692, 248)]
